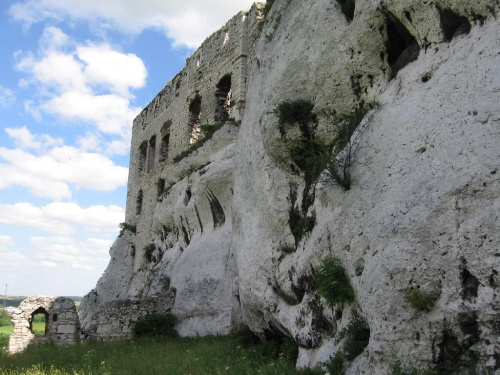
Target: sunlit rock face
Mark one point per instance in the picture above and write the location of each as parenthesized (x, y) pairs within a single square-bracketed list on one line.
[(216, 227)]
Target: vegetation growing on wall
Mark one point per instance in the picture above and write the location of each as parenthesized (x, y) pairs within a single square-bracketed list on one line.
[(344, 147), (126, 227), (332, 282), (207, 131), (148, 252), (356, 337), (421, 300)]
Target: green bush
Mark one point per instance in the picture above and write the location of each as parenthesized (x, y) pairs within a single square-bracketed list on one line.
[(297, 112), (156, 325), (207, 131), (421, 300), (357, 336), (397, 368), (336, 365), (4, 318), (124, 227), (275, 346), (4, 341), (332, 282)]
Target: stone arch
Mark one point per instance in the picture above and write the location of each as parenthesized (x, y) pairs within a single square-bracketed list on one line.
[(194, 119), (223, 99), (61, 322), (40, 310)]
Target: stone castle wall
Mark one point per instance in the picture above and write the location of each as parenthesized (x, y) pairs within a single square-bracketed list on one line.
[(116, 319), (197, 95)]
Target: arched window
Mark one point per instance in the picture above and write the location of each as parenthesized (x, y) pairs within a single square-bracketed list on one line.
[(151, 153), (223, 99), (39, 322), (194, 119), (143, 154), (138, 203)]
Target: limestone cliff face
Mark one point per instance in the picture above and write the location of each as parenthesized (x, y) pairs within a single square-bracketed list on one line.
[(421, 213)]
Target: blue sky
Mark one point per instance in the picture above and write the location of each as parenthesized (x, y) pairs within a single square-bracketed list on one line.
[(74, 74)]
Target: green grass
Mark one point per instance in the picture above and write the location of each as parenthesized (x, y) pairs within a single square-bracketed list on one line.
[(6, 329), (201, 356)]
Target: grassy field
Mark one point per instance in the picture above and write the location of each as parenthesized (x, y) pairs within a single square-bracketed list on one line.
[(148, 356)]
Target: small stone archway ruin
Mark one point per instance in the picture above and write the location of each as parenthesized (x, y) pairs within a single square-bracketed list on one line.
[(223, 99), (61, 322)]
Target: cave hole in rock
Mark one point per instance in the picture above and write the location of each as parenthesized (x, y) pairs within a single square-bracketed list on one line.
[(401, 46), (187, 196), (194, 119), (223, 99), (348, 7), (453, 24), (138, 203), (143, 154), (160, 187), (39, 322), (151, 153), (470, 285)]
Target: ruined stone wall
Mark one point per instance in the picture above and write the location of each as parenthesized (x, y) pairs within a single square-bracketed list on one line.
[(62, 322), (222, 56), (116, 319)]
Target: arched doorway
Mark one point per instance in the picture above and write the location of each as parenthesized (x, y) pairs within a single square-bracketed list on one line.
[(39, 322)]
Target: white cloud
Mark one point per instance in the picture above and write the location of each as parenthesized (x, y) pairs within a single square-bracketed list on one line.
[(87, 83), (5, 243), (187, 22), (53, 168), (111, 114), (63, 218), (7, 97), (60, 265), (23, 138), (105, 66)]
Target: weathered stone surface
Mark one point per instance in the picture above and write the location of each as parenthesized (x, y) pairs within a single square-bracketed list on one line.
[(61, 322), (421, 213)]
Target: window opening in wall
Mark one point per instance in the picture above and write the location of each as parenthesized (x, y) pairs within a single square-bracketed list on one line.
[(194, 119), (151, 153), (226, 37), (39, 322), (138, 203), (54, 317), (223, 99), (143, 153), (164, 147)]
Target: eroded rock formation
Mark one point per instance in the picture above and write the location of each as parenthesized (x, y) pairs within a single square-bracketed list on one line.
[(421, 211)]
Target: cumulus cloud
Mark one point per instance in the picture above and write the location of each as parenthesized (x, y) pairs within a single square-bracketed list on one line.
[(5, 243), (55, 168), (23, 138), (87, 83), (60, 265), (187, 23), (63, 217), (7, 97)]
